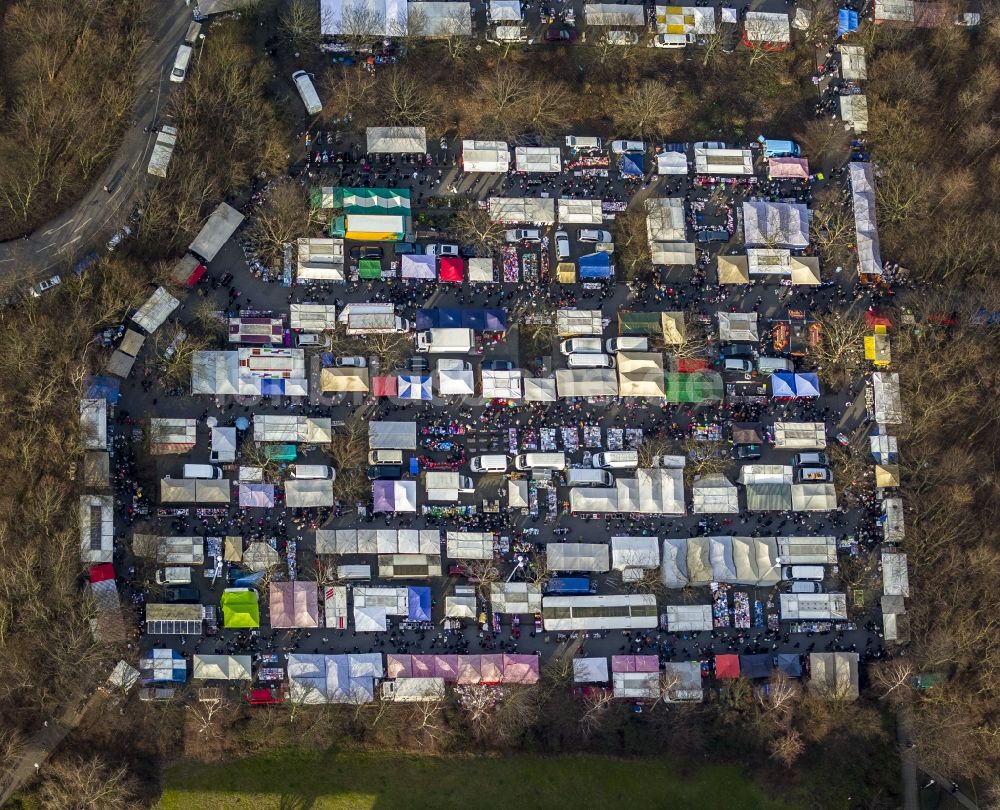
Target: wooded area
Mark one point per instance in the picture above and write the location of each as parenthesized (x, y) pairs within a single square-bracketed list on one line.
[(66, 95)]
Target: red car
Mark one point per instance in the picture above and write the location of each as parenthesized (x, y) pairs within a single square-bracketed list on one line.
[(462, 571), (561, 35)]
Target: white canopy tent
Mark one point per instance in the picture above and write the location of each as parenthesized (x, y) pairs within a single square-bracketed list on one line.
[(392, 435), (587, 382), (688, 618), (632, 555), (854, 112), (738, 327), (438, 20), (487, 156), (215, 373), (715, 494), (723, 161), (455, 378), (381, 18), (499, 384), (221, 667), (397, 140), (673, 568), (579, 212), (460, 607), (682, 682), (517, 494), (539, 389), (813, 497), (515, 597), (590, 670), (538, 159), (763, 26), (775, 224), (866, 229), (835, 674), (313, 318), (800, 435), (665, 219), (614, 15), (640, 374), (480, 270), (505, 10), (151, 315), (319, 259), (378, 541), (888, 405), (470, 545), (590, 557), (671, 163), (305, 493), (572, 322), (516, 210)]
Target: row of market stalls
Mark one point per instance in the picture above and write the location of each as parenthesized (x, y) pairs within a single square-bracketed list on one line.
[(250, 371), (431, 19)]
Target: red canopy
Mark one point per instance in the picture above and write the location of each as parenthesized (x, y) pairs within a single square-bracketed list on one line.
[(385, 386), (797, 168), (197, 275), (452, 269), (102, 572), (687, 365), (873, 319), (727, 666)]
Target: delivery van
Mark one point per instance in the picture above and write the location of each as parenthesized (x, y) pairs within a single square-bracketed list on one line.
[(581, 346), (174, 575), (307, 92), (616, 460), (812, 572), (577, 477), (571, 586), (540, 461), (769, 365), (376, 457), (202, 471), (584, 360), (488, 464), (627, 344), (775, 148), (181, 62), (306, 471)]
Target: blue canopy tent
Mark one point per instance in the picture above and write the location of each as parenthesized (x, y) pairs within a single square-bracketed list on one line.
[(782, 384), (418, 604), (632, 164), (479, 319), (847, 21), (101, 387), (790, 664), (415, 386), (595, 265), (756, 666), (807, 385)]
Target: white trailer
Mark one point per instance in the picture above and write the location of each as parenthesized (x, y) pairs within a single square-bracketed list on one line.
[(446, 341), (163, 150), (221, 225)]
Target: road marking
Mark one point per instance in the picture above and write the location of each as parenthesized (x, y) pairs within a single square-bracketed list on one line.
[(40, 250), (82, 224), (74, 239), (53, 230)]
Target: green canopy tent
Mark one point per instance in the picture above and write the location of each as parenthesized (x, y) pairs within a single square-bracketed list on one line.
[(282, 453), (694, 387), (370, 269), (640, 323), (240, 608)]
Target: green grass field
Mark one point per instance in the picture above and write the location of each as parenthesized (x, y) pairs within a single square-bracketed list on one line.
[(293, 780)]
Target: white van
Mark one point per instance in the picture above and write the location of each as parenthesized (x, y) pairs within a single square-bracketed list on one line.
[(307, 92), (202, 471), (488, 464), (540, 461), (737, 364), (768, 365), (810, 572), (305, 471), (616, 460), (583, 142), (562, 245), (577, 477), (174, 575), (385, 457), (627, 344), (619, 37), (581, 346), (584, 360), (510, 33), (673, 40), (181, 63)]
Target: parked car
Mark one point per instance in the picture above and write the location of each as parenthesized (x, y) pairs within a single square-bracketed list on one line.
[(593, 235), (813, 474), (708, 145), (416, 364), (562, 245), (405, 248), (350, 362), (561, 35), (385, 471), (119, 237), (746, 452), (309, 339), (713, 235), (183, 594), (673, 40), (366, 252), (802, 459), (441, 250), (522, 235), (805, 586), (620, 147), (44, 286), (498, 365)]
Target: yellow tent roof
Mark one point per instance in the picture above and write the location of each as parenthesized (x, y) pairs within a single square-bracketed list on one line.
[(673, 327), (566, 273), (877, 349), (337, 380), (886, 475), (733, 269)]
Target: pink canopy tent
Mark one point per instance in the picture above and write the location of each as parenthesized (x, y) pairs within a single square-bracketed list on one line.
[(635, 663), (257, 495), (491, 668), (294, 604), (452, 269), (520, 668), (469, 670), (446, 666), (398, 666), (782, 167), (385, 386)]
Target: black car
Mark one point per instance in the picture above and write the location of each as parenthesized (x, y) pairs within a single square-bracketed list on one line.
[(385, 471), (416, 364), (498, 365), (746, 451), (731, 350), (183, 594), (366, 252), (561, 35)]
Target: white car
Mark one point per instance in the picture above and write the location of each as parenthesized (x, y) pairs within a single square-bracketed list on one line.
[(441, 250), (592, 235), (672, 40), (620, 147), (709, 145), (119, 237), (523, 235), (562, 245), (350, 362), (44, 286)]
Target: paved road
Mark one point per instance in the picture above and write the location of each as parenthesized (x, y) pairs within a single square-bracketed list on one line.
[(98, 214)]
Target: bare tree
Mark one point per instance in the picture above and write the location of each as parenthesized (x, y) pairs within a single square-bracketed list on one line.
[(284, 216), (647, 108), (893, 679), (474, 226), (299, 25), (405, 100), (360, 23), (87, 784), (840, 352)]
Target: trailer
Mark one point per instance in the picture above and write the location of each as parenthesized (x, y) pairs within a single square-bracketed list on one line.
[(376, 323), (175, 551), (446, 341), (221, 225), (163, 150)]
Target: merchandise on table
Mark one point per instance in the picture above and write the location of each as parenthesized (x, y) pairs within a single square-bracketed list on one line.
[(571, 439), (591, 436), (511, 267), (549, 440), (741, 609), (616, 439)]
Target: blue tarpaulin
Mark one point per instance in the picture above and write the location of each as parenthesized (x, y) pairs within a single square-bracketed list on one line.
[(272, 388), (479, 319), (101, 387), (418, 604), (790, 664), (595, 265), (847, 21), (632, 164), (756, 666)]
